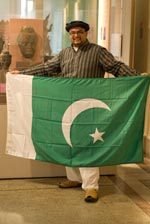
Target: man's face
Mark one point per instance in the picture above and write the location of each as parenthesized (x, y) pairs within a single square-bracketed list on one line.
[(78, 36)]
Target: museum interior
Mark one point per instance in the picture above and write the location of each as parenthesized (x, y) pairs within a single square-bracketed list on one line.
[(29, 192)]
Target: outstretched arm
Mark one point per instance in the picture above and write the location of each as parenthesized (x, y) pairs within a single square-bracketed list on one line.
[(115, 67), (49, 68)]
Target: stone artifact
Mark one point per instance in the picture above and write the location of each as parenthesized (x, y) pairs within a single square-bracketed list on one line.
[(47, 30), (27, 41), (1, 44), (5, 60)]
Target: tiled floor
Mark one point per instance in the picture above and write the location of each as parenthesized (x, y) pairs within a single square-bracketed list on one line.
[(124, 199)]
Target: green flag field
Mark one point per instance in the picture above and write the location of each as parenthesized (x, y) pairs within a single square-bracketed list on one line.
[(77, 122)]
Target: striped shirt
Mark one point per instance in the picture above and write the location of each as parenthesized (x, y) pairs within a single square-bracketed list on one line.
[(89, 61)]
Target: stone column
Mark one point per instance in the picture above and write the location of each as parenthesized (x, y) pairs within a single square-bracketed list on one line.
[(39, 9)]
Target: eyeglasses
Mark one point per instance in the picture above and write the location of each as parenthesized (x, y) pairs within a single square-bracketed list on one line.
[(80, 32)]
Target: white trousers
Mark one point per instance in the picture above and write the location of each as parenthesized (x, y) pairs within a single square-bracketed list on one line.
[(88, 176)]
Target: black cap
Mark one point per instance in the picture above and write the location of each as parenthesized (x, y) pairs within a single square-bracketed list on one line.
[(77, 24)]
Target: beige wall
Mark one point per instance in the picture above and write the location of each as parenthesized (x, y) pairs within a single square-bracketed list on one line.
[(141, 35), (126, 31), (104, 23), (136, 48)]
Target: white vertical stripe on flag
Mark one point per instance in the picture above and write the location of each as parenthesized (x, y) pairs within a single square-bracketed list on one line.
[(19, 112)]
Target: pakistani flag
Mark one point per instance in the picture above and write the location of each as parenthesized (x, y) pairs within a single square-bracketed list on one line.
[(77, 122)]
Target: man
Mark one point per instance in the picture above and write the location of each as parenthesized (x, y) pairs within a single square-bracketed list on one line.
[(81, 60)]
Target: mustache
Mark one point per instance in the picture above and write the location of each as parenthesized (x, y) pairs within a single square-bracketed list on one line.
[(77, 38)]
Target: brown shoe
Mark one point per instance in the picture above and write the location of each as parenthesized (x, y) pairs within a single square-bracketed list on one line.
[(69, 184), (91, 195)]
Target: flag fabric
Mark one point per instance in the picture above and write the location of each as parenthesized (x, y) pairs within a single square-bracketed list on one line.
[(76, 122)]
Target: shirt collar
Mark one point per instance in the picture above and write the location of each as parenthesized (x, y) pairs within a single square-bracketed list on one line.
[(83, 45)]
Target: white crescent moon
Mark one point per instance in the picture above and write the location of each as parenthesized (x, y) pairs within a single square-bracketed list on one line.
[(74, 110)]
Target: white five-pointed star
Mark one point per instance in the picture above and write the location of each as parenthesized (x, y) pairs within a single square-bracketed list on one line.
[(97, 136)]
